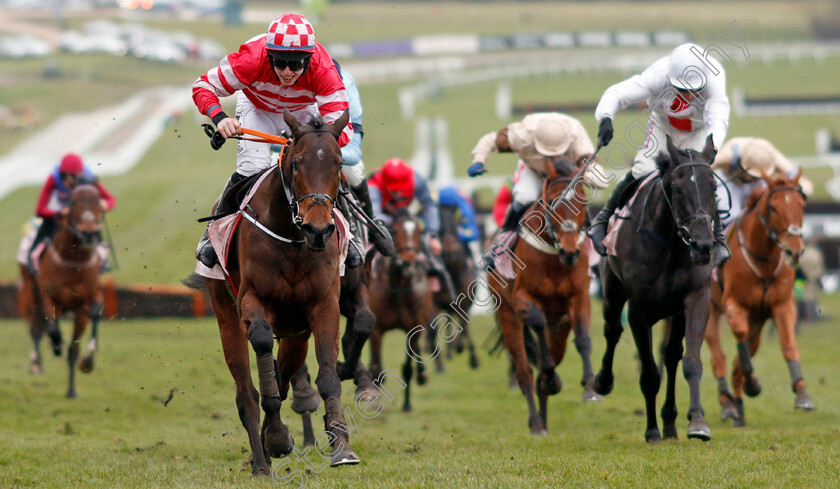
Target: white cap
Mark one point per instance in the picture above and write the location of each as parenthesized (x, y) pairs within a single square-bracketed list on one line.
[(551, 137), (686, 68)]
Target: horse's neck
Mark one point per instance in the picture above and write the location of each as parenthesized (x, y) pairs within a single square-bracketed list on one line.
[(754, 235), (658, 215), (70, 247)]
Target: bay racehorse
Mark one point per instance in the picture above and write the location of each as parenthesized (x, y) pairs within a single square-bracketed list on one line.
[(662, 268), (67, 281), (757, 285), (549, 296), (457, 259), (283, 269), (401, 298)]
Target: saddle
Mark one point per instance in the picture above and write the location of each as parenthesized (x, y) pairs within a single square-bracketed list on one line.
[(235, 194)]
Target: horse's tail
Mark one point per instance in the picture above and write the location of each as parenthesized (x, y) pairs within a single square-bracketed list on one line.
[(195, 282), (531, 347)]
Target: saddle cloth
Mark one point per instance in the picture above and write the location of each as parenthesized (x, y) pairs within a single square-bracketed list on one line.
[(623, 214), (102, 250), (221, 233)]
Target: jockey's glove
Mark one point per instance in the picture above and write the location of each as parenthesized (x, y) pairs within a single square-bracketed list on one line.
[(476, 169), (605, 132)]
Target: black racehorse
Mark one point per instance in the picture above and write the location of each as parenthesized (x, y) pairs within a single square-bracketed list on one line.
[(662, 269)]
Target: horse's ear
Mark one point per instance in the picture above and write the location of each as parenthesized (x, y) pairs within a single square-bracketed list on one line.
[(549, 171), (291, 121), (673, 152), (709, 150), (340, 123), (798, 176), (767, 179)]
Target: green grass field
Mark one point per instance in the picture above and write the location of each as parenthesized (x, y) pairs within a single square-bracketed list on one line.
[(467, 429)]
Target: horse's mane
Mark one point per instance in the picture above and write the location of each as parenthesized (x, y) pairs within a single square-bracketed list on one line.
[(564, 166), (663, 162), (753, 198)]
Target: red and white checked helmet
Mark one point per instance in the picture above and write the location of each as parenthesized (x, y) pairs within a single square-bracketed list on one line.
[(291, 32)]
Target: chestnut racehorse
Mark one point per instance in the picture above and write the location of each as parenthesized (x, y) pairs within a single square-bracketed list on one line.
[(550, 294), (284, 269), (401, 298), (68, 281), (757, 285)]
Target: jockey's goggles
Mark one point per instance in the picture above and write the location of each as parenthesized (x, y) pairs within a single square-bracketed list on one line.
[(293, 64)]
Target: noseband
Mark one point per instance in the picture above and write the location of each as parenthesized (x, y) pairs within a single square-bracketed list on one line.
[(683, 223)]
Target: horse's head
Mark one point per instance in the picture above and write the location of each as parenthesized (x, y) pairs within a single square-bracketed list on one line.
[(405, 230), (85, 213), (689, 188), (312, 164), (780, 210), (565, 221)]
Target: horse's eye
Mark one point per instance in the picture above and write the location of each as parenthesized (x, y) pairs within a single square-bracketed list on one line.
[(294, 165)]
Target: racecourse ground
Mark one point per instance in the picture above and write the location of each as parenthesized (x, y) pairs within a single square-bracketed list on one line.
[(467, 429)]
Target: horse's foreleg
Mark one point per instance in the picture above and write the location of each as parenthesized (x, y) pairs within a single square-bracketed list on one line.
[(323, 320), (696, 306), (235, 348), (581, 315), (50, 315), (649, 378), (375, 352), (360, 328), (672, 353), (785, 319), (293, 372), (712, 337), (36, 331), (276, 437), (80, 320), (86, 363), (533, 318), (513, 335), (614, 300)]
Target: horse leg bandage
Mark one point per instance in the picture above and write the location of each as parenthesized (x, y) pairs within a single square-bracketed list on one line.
[(795, 374), (268, 377)]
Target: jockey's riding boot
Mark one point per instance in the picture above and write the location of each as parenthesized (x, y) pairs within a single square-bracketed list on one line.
[(438, 269), (598, 229), (506, 237), (380, 238), (355, 249), (204, 252), (721, 251)]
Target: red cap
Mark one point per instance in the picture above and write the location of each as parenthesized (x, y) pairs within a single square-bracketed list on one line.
[(71, 163), (395, 170)]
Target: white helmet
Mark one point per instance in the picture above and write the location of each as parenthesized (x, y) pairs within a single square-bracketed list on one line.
[(687, 70), (551, 136)]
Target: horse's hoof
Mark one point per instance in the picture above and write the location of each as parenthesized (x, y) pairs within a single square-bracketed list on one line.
[(739, 422), (473, 363), (439, 368), (536, 426), (279, 443), (306, 402), (539, 432), (343, 455), (264, 471), (601, 385), (590, 395), (698, 428), (407, 408), (653, 436), (71, 394), (550, 384), (422, 378), (804, 403), (57, 349), (367, 393), (728, 411), (752, 387), (670, 432), (35, 369), (86, 364)]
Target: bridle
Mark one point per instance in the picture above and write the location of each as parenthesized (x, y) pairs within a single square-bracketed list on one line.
[(318, 198), (567, 225), (684, 223), (791, 229)]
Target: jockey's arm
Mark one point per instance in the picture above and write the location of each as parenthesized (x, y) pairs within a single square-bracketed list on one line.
[(496, 141), (631, 91), (42, 210), (106, 199), (430, 215), (376, 202)]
